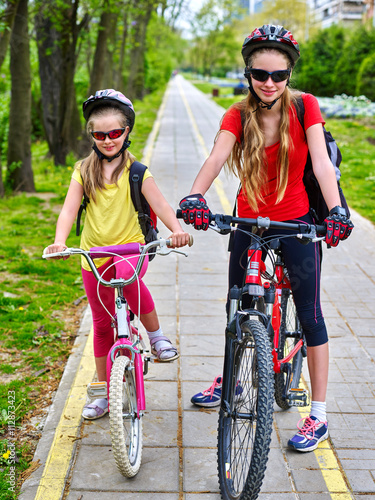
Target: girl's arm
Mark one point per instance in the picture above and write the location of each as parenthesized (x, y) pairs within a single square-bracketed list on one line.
[(67, 216), (164, 211), (212, 166), (322, 166)]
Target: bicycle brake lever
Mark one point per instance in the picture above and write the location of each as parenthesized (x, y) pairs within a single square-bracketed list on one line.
[(166, 250)]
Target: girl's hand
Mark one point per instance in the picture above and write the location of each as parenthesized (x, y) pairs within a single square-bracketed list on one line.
[(179, 239), (56, 247)]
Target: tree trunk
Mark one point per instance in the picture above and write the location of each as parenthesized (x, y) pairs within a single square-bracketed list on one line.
[(136, 81), (56, 33), (7, 19), (119, 80), (19, 142), (102, 70)]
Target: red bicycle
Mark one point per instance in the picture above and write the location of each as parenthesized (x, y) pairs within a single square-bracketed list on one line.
[(264, 350)]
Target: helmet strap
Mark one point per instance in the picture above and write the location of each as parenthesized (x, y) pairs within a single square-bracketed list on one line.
[(101, 156), (261, 104)]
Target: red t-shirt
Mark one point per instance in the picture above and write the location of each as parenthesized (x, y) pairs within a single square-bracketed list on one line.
[(295, 201)]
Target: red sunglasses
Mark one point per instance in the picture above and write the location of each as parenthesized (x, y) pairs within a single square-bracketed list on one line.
[(112, 134)]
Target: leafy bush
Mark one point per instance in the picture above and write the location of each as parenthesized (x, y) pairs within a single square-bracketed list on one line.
[(366, 77), (359, 43), (315, 72)]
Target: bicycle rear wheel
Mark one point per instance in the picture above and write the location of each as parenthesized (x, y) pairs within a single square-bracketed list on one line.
[(290, 334), (125, 426), (245, 425)]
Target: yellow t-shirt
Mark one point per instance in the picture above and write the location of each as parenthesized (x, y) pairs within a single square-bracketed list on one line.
[(112, 220)]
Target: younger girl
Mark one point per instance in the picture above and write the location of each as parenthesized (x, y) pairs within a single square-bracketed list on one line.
[(111, 219), (264, 144)]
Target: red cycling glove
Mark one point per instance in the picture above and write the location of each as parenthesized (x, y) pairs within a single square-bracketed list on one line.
[(339, 227), (195, 211)]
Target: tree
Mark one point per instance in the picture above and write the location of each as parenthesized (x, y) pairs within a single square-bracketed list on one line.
[(7, 16), (19, 141), (57, 31), (215, 40), (294, 15), (102, 74), (142, 10)]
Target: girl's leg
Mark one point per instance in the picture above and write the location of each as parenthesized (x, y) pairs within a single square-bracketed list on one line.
[(141, 303), (303, 264), (103, 333), (318, 360)]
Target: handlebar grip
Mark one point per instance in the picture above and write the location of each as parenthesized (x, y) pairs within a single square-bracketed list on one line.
[(321, 230), (179, 214), (191, 241)]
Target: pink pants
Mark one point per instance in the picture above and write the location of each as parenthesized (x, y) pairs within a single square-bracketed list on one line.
[(103, 332)]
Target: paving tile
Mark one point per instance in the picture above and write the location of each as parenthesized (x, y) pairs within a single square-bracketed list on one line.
[(200, 473), (210, 345), (361, 481), (159, 471), (309, 481)]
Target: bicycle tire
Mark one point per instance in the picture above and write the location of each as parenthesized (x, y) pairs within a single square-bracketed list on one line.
[(125, 427), (290, 334), (244, 435)]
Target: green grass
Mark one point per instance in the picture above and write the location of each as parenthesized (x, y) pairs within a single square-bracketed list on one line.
[(356, 140), (39, 320)]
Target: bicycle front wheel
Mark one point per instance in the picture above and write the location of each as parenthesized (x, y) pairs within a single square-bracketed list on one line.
[(290, 334), (245, 420), (125, 426)]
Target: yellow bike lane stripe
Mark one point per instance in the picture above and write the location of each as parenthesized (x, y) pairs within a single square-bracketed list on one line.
[(56, 469), (57, 465), (325, 456)]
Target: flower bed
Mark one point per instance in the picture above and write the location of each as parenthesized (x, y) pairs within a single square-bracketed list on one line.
[(344, 106)]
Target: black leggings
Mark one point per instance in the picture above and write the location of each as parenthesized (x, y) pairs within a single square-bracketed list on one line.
[(303, 265)]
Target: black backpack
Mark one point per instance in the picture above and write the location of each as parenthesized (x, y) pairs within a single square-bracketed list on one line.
[(318, 206), (146, 217)]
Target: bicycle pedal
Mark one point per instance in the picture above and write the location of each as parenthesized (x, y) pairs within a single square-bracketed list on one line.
[(298, 397), (97, 389)]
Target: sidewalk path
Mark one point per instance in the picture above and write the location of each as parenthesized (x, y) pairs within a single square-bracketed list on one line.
[(179, 457)]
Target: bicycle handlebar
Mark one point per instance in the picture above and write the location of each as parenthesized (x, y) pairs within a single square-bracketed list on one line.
[(223, 224), (129, 249)]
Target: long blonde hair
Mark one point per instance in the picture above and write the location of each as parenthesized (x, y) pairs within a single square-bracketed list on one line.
[(248, 159), (91, 167)]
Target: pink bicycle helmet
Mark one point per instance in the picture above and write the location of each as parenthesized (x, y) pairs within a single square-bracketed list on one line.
[(271, 36), (110, 96)]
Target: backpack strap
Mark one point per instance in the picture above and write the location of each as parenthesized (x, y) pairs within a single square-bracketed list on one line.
[(83, 206), (300, 109), (137, 171)]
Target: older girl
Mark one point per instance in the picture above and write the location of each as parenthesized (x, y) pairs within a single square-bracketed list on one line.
[(263, 143)]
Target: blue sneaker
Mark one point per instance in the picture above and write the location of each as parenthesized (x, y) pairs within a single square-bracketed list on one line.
[(212, 396), (310, 435)]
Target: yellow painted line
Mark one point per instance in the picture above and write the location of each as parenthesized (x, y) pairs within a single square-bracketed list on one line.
[(227, 207), (327, 461), (52, 482)]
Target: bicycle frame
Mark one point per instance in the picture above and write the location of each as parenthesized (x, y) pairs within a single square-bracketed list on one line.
[(258, 287)]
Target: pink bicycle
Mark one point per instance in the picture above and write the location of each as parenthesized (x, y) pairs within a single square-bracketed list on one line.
[(127, 361)]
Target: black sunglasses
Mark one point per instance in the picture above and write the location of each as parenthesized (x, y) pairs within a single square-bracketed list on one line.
[(112, 134), (262, 76)]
